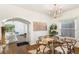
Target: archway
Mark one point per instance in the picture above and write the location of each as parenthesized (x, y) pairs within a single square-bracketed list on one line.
[(27, 23)]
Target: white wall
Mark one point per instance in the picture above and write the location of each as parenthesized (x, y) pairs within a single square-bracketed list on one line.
[(77, 28), (70, 14), (10, 11)]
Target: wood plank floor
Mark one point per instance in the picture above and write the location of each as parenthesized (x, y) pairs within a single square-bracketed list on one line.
[(14, 49)]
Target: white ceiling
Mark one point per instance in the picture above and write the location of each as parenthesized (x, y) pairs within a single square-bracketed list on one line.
[(46, 8)]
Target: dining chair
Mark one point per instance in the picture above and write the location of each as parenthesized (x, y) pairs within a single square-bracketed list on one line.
[(58, 47), (61, 46), (72, 46), (44, 47), (69, 45)]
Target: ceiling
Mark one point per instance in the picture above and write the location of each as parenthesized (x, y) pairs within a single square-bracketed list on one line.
[(47, 8)]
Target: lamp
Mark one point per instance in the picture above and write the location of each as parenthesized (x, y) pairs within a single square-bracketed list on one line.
[(56, 11)]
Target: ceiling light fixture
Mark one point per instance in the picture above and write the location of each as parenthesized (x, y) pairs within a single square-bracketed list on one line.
[(56, 11)]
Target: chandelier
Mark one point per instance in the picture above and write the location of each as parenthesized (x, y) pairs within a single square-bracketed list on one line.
[(56, 11)]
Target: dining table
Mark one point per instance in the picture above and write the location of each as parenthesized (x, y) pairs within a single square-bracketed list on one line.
[(58, 43)]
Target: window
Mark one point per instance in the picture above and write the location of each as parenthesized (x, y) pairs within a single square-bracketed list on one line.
[(68, 28)]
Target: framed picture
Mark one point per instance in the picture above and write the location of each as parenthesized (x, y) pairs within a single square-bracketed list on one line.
[(39, 26)]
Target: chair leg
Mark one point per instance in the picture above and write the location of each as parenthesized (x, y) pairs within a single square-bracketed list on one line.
[(44, 49), (73, 50), (62, 50), (37, 50)]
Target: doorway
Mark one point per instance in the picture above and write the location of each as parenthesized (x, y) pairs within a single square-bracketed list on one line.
[(20, 33)]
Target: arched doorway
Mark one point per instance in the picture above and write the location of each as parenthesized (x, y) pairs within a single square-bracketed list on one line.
[(26, 30)]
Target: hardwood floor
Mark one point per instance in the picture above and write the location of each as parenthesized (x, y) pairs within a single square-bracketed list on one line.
[(14, 49), (76, 50)]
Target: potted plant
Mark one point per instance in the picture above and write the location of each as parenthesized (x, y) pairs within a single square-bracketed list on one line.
[(53, 30), (9, 28), (9, 31)]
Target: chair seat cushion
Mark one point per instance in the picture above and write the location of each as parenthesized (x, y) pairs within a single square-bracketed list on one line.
[(60, 50)]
